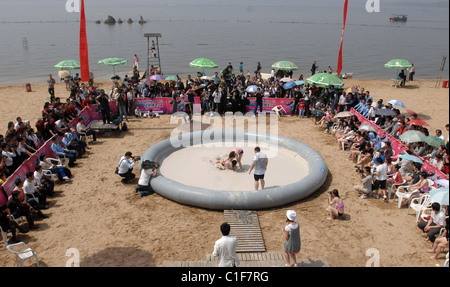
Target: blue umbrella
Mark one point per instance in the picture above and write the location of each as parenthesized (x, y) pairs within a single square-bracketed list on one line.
[(440, 195), (298, 83), (411, 158), (397, 103), (289, 85)]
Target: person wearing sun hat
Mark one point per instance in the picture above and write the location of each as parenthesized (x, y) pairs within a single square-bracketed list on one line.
[(291, 233)]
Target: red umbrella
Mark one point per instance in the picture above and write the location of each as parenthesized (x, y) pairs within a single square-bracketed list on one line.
[(411, 113), (149, 82), (417, 123)]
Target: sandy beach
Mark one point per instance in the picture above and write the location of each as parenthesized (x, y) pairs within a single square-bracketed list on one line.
[(111, 225)]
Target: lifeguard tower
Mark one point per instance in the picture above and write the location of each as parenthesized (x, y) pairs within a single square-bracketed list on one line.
[(153, 55)]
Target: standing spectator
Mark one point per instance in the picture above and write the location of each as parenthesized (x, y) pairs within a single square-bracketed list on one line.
[(51, 86), (381, 178), (260, 162), (314, 67), (291, 233), (411, 71), (136, 62), (104, 108), (258, 70), (258, 101), (225, 248)]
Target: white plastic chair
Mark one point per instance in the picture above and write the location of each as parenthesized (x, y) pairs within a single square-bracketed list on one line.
[(420, 204), (278, 109), (49, 173), (394, 186), (22, 253), (4, 236)]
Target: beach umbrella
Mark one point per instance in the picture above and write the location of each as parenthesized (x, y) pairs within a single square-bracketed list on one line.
[(171, 78), (442, 183), (252, 89), (113, 62), (439, 195), (368, 128), (63, 73), (434, 141), (157, 77), (68, 65), (397, 103), (398, 64), (289, 85), (344, 114), (203, 63), (298, 83), (324, 80), (284, 66), (417, 123), (411, 158), (412, 136), (386, 112)]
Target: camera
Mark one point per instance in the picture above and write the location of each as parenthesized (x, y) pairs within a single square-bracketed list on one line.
[(359, 170), (136, 157)]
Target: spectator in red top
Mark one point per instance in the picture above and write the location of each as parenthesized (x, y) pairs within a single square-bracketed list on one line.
[(87, 101)]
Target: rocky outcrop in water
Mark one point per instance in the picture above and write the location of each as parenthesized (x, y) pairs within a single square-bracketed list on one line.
[(119, 21), (98, 22), (110, 20), (130, 21), (142, 21)]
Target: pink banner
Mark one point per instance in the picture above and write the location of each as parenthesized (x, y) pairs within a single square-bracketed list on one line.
[(162, 105), (270, 103)]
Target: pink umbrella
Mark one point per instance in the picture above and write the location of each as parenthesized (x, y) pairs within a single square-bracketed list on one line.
[(157, 77), (149, 82)]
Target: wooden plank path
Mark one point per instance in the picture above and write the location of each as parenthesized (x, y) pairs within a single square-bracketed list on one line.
[(245, 227), (258, 259)]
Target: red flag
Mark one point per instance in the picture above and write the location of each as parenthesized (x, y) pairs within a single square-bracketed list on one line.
[(339, 67), (84, 58)]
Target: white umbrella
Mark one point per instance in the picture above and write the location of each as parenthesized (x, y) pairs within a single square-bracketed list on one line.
[(252, 89)]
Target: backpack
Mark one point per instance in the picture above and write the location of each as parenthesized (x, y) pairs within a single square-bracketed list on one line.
[(124, 127)]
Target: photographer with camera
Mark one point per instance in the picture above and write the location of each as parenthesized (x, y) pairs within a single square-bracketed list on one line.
[(126, 165), (149, 171), (366, 180)]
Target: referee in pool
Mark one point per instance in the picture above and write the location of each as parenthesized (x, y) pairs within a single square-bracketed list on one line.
[(260, 162)]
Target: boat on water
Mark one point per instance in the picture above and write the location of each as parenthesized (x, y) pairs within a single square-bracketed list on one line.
[(398, 18)]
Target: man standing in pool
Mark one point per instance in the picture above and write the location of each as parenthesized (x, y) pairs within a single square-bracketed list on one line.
[(260, 162)]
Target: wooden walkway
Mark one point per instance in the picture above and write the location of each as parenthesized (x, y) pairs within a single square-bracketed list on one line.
[(245, 227), (254, 259)]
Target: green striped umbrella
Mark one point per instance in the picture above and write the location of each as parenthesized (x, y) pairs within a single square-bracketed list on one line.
[(68, 65), (204, 63), (324, 80), (284, 66), (434, 141), (113, 62), (398, 64)]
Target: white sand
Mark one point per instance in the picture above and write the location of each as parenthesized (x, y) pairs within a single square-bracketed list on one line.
[(195, 166)]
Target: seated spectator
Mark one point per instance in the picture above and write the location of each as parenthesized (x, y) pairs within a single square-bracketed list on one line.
[(33, 193), (366, 156), (63, 152), (79, 147), (43, 181), (9, 224), (63, 173), (83, 130), (433, 226), (440, 242)]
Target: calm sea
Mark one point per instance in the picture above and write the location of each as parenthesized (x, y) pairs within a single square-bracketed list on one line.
[(225, 31)]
